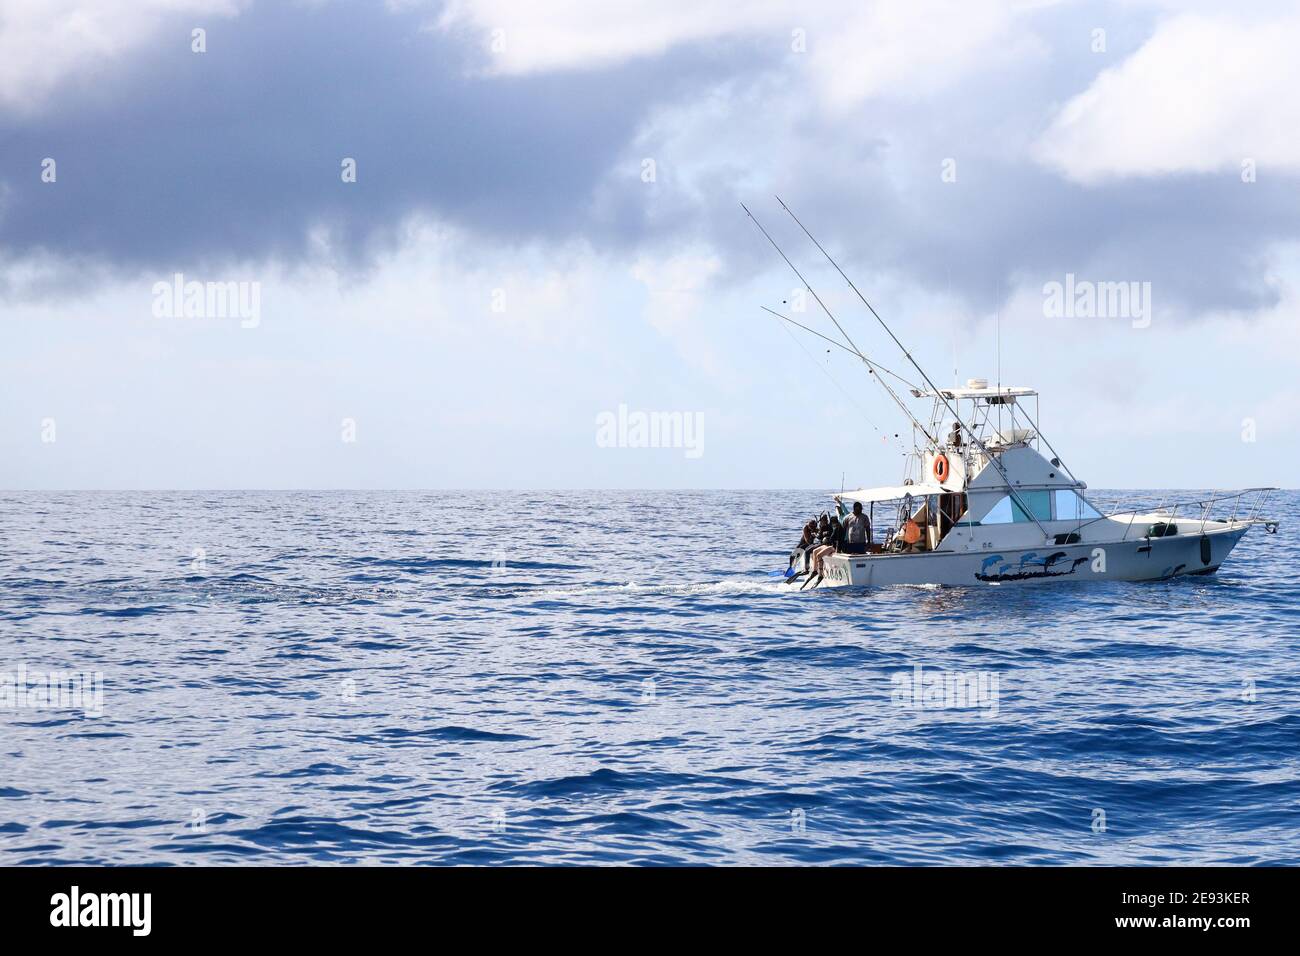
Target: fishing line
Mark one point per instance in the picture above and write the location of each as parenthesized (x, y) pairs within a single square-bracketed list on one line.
[(794, 338)]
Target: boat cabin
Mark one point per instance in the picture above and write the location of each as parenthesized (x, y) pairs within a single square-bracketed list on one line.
[(977, 478)]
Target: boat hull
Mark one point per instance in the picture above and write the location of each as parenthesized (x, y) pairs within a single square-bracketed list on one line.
[(1143, 559)]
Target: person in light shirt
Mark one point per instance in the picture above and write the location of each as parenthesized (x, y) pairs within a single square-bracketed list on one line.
[(857, 531)]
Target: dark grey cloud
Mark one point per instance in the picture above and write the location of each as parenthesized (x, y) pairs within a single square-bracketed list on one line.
[(1202, 242), (176, 158)]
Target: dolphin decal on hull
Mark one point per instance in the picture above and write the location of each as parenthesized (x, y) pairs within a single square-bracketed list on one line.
[(1004, 574)]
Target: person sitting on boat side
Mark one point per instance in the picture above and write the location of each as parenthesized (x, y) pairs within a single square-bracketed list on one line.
[(807, 541), (857, 531), (954, 436), (832, 541)]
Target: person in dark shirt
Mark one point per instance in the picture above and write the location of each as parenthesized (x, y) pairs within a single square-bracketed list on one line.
[(807, 541)]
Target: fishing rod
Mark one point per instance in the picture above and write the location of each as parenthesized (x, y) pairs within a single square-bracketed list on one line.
[(916, 423), (1006, 479)]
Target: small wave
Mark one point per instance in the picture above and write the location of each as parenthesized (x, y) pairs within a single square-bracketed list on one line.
[(450, 732), (140, 611)]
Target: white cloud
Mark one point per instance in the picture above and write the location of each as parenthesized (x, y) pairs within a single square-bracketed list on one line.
[(898, 49), (42, 44), (564, 34), (677, 286), (1202, 95), (853, 49)]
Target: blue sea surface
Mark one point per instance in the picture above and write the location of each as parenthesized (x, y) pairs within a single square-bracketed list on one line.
[(614, 678)]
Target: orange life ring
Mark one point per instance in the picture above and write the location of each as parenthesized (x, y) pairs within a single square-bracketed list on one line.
[(941, 468)]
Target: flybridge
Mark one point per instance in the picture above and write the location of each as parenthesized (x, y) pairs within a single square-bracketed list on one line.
[(977, 389), (994, 417)]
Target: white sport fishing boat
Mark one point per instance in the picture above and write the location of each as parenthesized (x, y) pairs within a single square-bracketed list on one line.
[(986, 506), (989, 501)]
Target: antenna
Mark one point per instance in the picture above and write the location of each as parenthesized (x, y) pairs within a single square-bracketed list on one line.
[(947, 286), (998, 305), (956, 381)]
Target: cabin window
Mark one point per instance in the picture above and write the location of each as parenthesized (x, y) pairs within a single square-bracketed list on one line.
[(1070, 507), (1008, 510), (1000, 513), (1038, 502)]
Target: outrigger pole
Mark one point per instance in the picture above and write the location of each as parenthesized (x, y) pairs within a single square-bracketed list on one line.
[(838, 345), (1006, 480), (871, 366)]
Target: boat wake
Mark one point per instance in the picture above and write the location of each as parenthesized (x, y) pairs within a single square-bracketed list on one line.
[(733, 585)]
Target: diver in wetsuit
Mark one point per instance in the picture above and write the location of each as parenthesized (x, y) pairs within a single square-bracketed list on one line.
[(807, 541)]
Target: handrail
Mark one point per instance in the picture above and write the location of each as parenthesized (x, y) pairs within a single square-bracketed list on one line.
[(1205, 515), (1208, 503)]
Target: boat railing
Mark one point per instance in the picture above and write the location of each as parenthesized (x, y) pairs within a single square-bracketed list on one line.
[(1199, 509)]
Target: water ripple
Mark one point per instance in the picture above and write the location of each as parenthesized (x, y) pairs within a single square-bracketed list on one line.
[(465, 678)]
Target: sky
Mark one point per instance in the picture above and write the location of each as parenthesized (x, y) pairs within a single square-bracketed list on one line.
[(472, 244)]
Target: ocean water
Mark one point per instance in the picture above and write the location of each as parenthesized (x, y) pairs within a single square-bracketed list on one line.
[(614, 678)]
